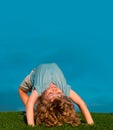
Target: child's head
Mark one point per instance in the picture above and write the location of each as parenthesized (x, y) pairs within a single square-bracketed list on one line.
[(55, 113), (52, 92)]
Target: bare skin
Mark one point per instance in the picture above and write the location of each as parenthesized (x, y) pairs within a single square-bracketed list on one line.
[(81, 104), (53, 92), (23, 95)]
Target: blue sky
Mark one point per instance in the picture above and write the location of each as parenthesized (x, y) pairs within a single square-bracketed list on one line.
[(77, 35)]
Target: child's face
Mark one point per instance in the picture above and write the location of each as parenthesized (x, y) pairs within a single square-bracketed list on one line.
[(53, 92)]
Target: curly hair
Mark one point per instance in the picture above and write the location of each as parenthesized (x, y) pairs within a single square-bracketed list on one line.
[(56, 113)]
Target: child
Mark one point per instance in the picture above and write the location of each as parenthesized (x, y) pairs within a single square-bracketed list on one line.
[(48, 78)]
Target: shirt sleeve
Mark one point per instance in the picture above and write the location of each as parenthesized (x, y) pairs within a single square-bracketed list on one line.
[(66, 90), (26, 84)]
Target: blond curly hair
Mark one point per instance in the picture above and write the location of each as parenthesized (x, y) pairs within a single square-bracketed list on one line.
[(56, 113)]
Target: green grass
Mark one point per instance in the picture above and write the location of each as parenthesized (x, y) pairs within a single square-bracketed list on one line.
[(17, 121)]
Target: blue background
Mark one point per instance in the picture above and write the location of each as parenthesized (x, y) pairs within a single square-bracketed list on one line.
[(77, 35)]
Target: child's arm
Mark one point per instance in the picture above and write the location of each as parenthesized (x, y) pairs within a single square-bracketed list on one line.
[(24, 88), (23, 95), (81, 104), (30, 108)]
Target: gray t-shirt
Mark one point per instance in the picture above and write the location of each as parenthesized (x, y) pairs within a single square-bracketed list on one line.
[(42, 76)]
